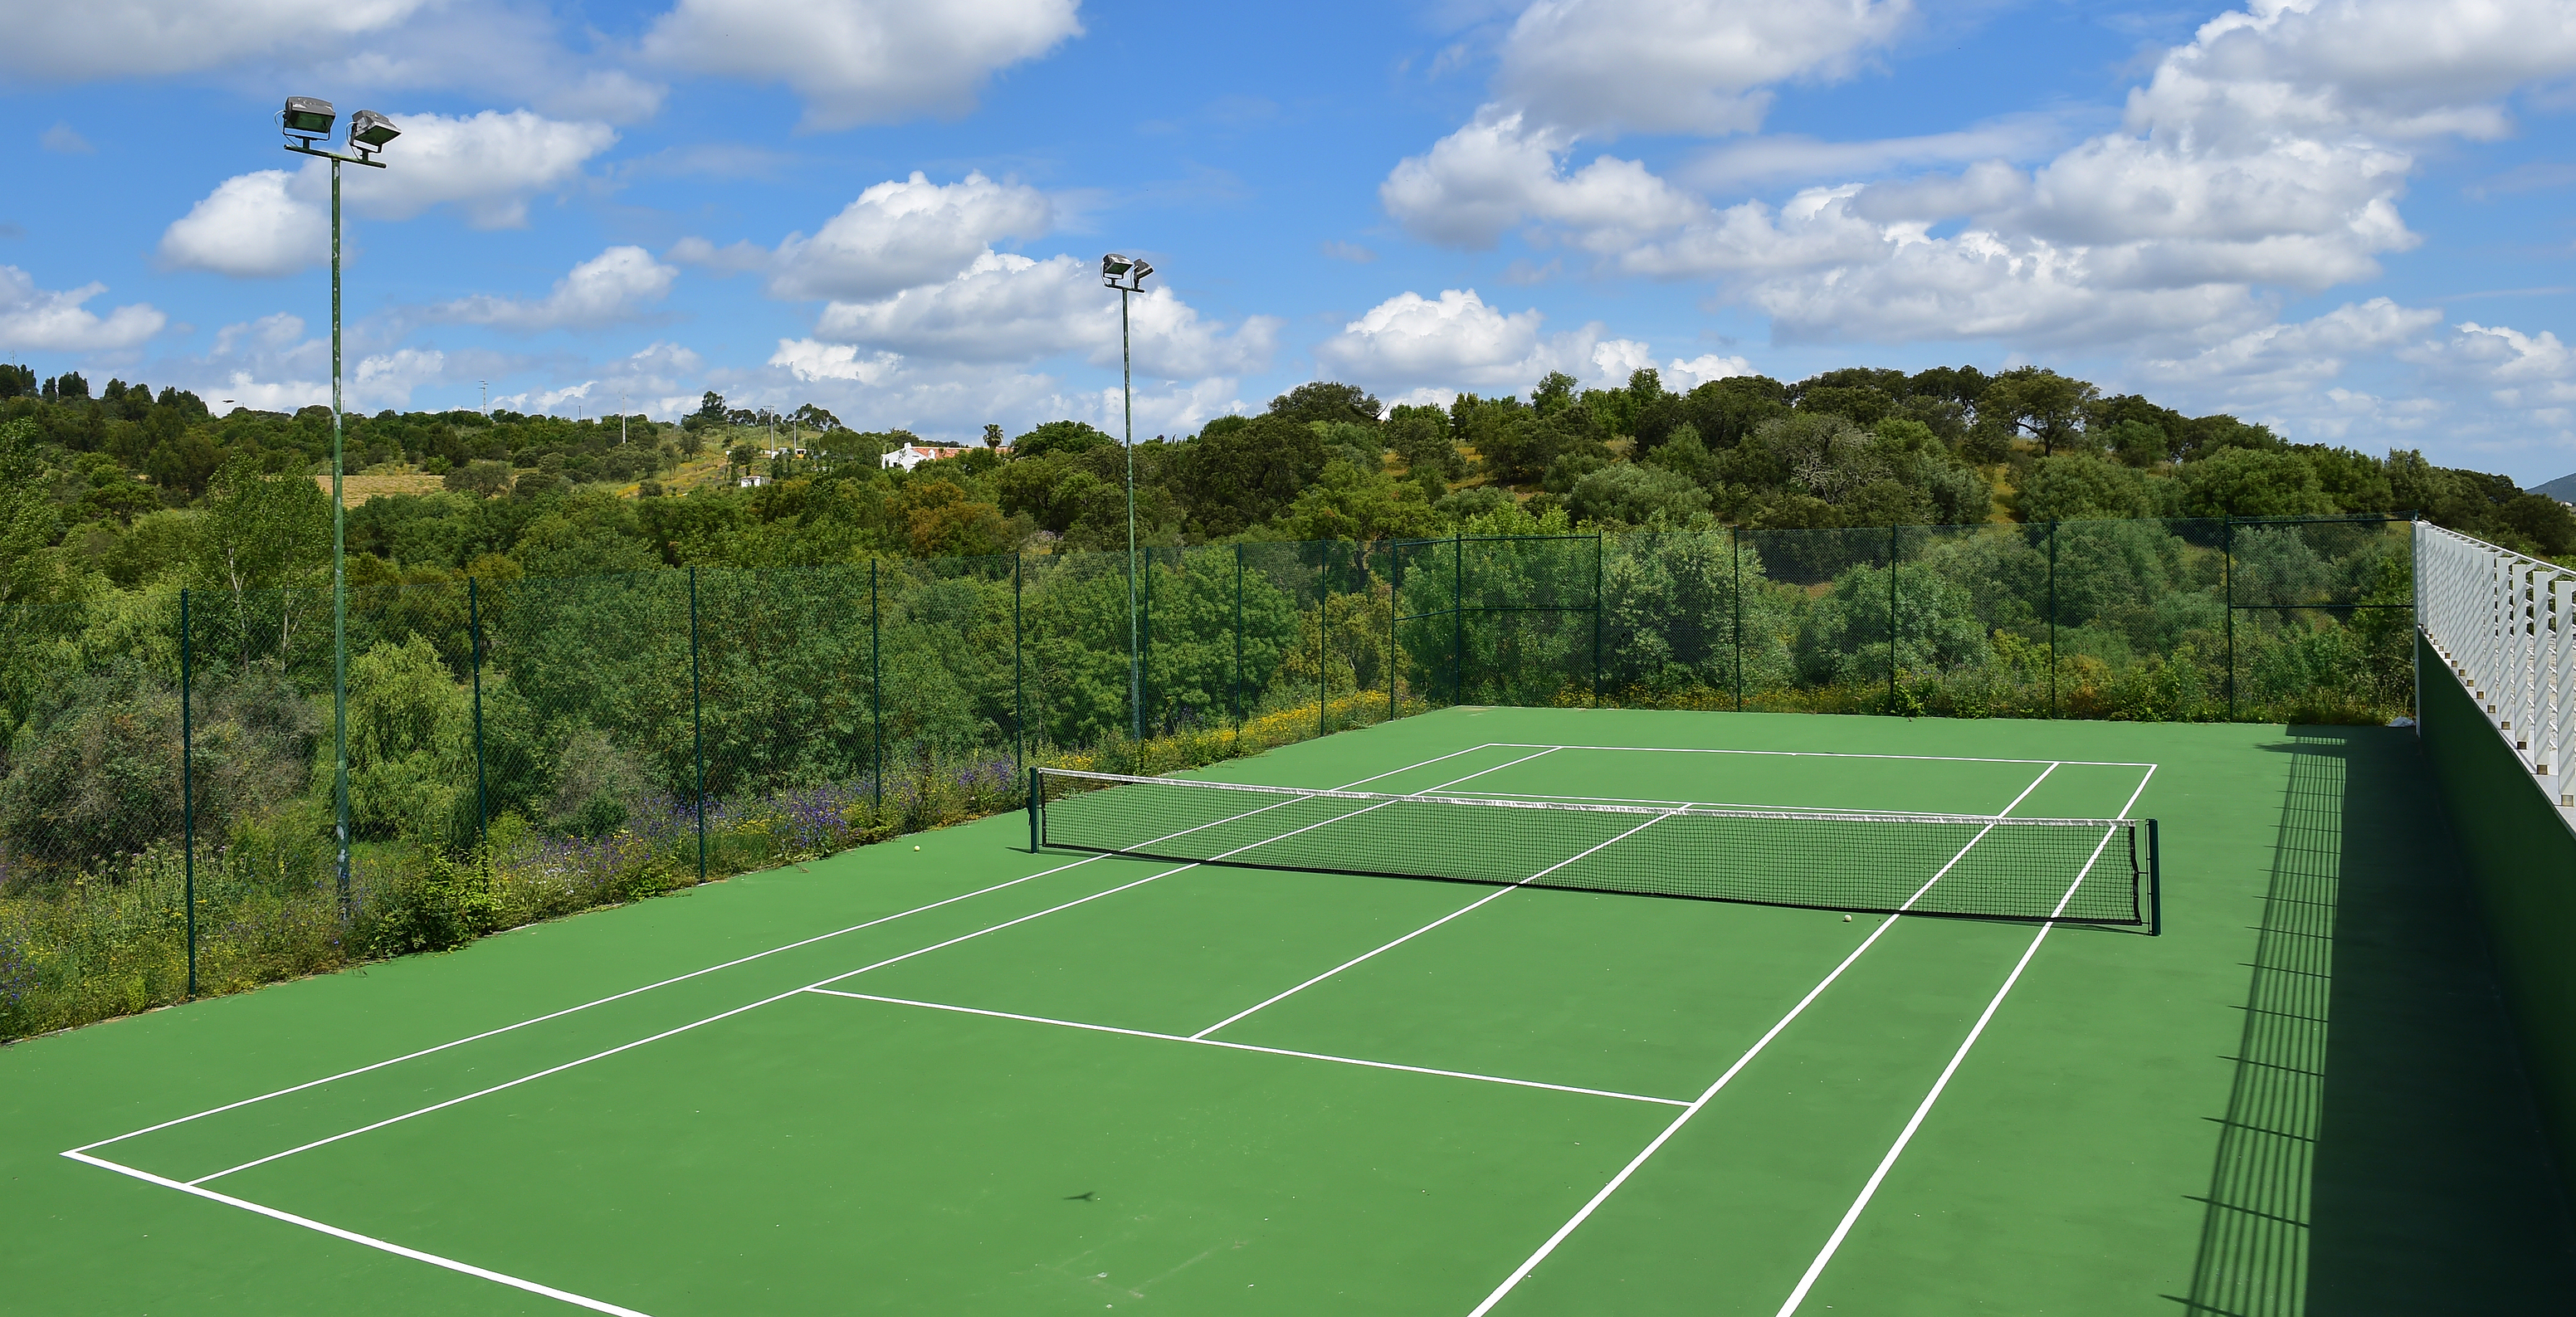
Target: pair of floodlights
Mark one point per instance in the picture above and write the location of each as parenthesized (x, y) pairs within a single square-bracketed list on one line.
[(308, 119)]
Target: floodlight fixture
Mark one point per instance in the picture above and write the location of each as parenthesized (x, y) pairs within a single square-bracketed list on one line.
[(309, 117), (369, 131), (1125, 274)]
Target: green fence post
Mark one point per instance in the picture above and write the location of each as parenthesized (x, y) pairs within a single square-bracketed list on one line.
[(1599, 541), (1323, 636), (2052, 619), (1893, 631), (474, 640), (1394, 602), (188, 790), (2227, 578), (1735, 549), (1458, 619), (1145, 645), (876, 696), (1019, 681), (698, 724), (1238, 635)]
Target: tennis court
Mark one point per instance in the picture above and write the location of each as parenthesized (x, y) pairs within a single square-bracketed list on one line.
[(974, 1077)]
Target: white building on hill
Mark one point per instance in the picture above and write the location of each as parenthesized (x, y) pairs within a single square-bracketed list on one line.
[(913, 455)]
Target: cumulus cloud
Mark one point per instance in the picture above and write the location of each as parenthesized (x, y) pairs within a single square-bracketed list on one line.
[(1502, 170), (35, 319), (1411, 340), (1003, 307), (252, 226), (271, 222), (270, 364), (896, 235), (876, 389), (863, 61), (145, 38), (2282, 358), (1697, 66), (618, 285)]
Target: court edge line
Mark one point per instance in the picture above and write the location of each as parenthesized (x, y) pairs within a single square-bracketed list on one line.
[(1585, 1212), (818, 983), (416, 1255), (1705, 804), (695, 973), (1251, 1047), (1834, 1242), (1830, 754), (1478, 903)]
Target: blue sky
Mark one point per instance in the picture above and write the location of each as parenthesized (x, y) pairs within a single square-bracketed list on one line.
[(2348, 218)]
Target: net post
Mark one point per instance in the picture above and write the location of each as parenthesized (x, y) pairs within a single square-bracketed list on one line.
[(2155, 884), (1036, 799), (188, 789)]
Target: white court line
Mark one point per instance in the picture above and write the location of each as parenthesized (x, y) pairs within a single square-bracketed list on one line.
[(370, 1241), (1201, 1035), (1692, 804), (1823, 754), (1248, 1047), (818, 983), (680, 978), (1522, 1272), (1888, 1162)]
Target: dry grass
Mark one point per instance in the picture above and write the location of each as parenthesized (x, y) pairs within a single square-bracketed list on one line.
[(355, 490)]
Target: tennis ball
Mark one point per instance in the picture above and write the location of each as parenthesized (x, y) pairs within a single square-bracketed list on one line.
[(918, 848), (1846, 918)]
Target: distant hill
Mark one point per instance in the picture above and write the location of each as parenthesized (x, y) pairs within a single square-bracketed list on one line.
[(2562, 489)]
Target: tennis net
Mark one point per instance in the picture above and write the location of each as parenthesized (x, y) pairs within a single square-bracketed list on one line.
[(2093, 871)]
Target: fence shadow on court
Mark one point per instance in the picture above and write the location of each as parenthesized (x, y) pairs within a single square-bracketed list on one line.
[(2379, 1152)]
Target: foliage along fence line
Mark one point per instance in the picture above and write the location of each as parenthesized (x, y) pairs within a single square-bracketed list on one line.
[(527, 748)]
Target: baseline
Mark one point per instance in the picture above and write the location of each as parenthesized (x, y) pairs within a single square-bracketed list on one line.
[(1825, 754)]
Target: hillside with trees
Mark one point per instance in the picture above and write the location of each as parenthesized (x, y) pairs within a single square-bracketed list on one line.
[(131, 487)]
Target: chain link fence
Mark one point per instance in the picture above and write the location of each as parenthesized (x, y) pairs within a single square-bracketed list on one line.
[(526, 748)]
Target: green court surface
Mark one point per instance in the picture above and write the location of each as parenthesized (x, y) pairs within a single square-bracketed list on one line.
[(972, 1079)]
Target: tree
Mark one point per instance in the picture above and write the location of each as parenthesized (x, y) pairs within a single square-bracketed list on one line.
[(1241, 471), (812, 418), (710, 412), (2042, 404), (992, 436), (1326, 400), (1554, 393), (1632, 495), (1060, 437), (2252, 482), (2076, 486)]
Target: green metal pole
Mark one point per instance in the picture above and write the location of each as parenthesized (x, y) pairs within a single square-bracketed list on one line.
[(1735, 547), (1892, 631), (2227, 578), (1135, 638), (2052, 619), (1238, 635), (188, 789), (1599, 541), (1323, 637), (1394, 601), (339, 582), (1145, 637), (1457, 618), (876, 689), (474, 625), (1019, 678), (697, 724)]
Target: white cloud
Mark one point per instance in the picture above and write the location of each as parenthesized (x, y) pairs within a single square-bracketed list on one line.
[(615, 286), (1411, 340), (1793, 157), (146, 38), (1698, 66), (1006, 307), (1685, 375), (63, 139), (874, 389), (1502, 170), (2286, 358), (35, 319), (896, 235), (251, 226), (269, 364), (863, 61), (272, 223)]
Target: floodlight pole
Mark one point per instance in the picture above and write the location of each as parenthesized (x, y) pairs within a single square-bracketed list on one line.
[(1127, 277), (339, 552)]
